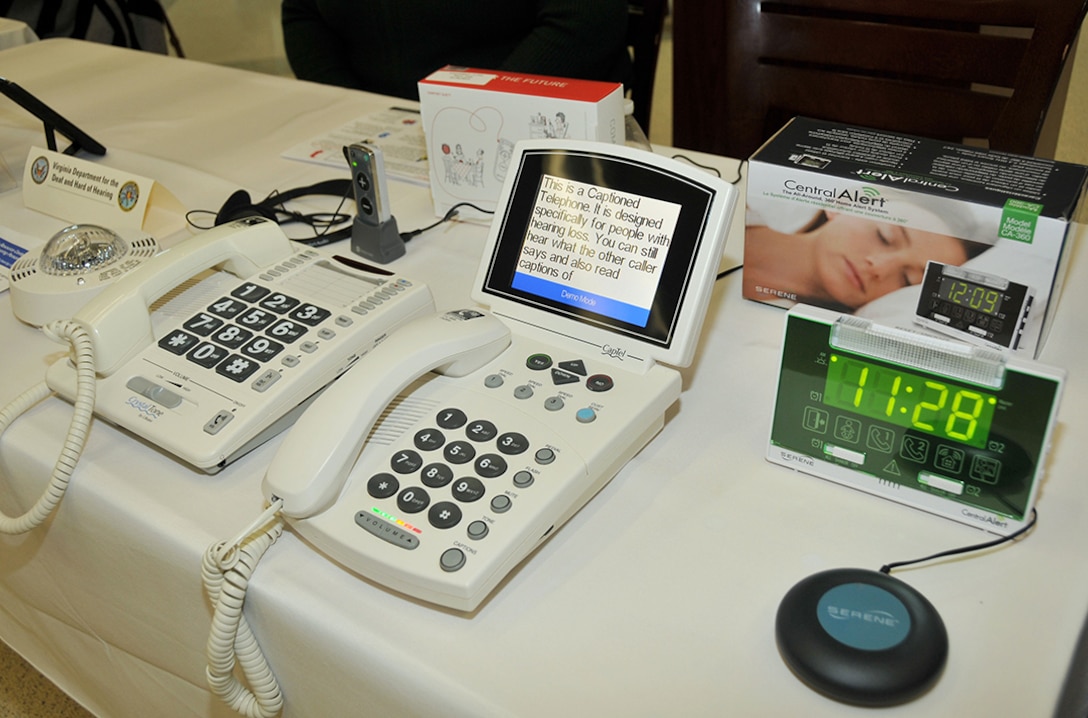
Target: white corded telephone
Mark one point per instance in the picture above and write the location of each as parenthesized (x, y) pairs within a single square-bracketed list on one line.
[(246, 350), (470, 437), (225, 362)]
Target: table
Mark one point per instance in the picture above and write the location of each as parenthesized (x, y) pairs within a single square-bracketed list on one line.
[(15, 32), (658, 598)]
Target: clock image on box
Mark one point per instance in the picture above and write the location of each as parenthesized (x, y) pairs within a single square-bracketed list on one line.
[(978, 307)]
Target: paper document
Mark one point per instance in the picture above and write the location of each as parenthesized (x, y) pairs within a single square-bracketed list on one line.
[(397, 131)]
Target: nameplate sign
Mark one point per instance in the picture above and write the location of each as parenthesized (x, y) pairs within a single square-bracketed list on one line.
[(78, 191)]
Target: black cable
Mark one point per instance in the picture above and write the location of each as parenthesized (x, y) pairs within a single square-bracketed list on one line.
[(322, 223), (715, 170), (727, 272), (967, 549), (450, 214)]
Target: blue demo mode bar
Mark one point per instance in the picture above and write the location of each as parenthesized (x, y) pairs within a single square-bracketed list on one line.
[(546, 289)]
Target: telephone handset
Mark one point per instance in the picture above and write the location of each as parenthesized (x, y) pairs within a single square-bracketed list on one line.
[(119, 320), (245, 350), (313, 463)]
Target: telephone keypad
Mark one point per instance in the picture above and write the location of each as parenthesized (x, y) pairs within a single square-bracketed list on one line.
[(254, 323), (487, 467)]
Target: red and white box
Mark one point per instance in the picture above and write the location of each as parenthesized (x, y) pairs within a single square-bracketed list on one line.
[(473, 117)]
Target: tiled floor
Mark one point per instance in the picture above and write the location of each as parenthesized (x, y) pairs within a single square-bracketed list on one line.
[(247, 35)]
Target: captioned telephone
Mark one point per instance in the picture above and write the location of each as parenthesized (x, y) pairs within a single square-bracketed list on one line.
[(235, 357), (463, 441), (600, 268)]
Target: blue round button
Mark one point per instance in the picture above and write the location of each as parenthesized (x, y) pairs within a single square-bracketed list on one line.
[(863, 616)]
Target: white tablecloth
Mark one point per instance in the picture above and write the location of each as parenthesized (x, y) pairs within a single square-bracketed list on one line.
[(657, 599), (15, 32)]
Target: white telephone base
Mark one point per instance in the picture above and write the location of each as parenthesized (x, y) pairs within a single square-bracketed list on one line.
[(215, 385), (462, 478)]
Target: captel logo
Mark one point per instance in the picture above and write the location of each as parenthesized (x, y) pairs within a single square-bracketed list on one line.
[(614, 352)]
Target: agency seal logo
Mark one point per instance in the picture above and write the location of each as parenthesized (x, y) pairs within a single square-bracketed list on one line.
[(39, 170), (128, 196)]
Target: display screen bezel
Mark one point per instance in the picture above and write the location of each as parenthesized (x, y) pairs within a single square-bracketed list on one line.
[(675, 313)]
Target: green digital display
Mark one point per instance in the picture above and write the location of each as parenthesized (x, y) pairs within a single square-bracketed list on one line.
[(970, 295), (926, 403)]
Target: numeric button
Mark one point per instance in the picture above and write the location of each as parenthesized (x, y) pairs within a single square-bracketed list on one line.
[(490, 466), (468, 489), (436, 475), (207, 355), (459, 452), (310, 314), (286, 331), (227, 307), (451, 418), (202, 324), (279, 303), (413, 500), (250, 292), (406, 461), (481, 430), (428, 439), (512, 443)]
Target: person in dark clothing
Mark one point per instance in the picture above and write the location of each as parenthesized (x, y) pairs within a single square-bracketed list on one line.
[(386, 46)]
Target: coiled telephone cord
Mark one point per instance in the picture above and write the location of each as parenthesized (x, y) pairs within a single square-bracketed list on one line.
[(226, 570), (83, 358)]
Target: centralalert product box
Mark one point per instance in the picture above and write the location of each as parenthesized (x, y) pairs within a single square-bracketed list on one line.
[(913, 233), (473, 117)]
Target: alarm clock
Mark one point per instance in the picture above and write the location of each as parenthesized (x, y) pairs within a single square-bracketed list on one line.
[(952, 428), (975, 306)]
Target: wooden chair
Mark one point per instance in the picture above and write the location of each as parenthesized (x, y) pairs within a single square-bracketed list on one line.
[(983, 71), (645, 20)]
